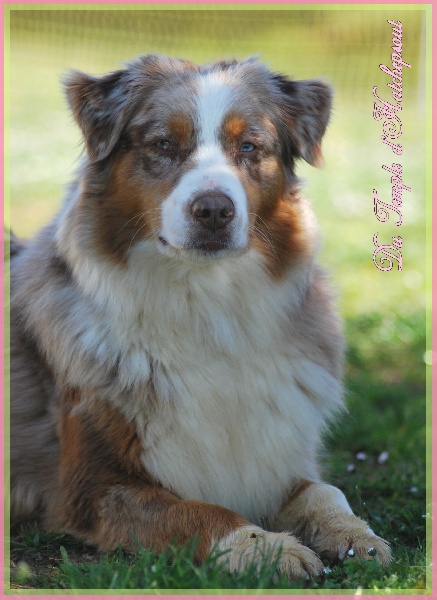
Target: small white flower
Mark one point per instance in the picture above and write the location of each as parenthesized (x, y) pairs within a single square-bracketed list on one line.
[(383, 457)]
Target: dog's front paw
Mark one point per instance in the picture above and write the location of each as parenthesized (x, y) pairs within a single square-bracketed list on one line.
[(347, 536), (252, 545)]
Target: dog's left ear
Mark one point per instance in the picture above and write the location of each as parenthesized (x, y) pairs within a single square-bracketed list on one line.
[(306, 108), (101, 107)]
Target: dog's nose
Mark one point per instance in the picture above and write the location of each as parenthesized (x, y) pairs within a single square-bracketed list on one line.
[(213, 210)]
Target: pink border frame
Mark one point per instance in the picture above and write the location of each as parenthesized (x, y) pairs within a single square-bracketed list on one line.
[(213, 2), (2, 313), (433, 340)]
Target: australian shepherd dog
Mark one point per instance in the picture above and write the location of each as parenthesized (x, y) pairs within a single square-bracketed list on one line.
[(175, 358)]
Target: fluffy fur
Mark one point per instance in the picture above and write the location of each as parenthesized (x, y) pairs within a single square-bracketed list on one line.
[(175, 357)]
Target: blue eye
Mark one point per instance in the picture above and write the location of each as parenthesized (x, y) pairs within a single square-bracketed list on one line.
[(247, 147), (163, 145)]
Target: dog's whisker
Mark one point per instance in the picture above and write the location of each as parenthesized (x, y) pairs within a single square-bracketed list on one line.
[(138, 216), (135, 234), (265, 238), (138, 229), (153, 234), (259, 218)]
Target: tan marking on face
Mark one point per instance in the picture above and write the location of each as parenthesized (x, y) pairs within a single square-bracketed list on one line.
[(235, 125), (181, 127), (264, 184), (283, 239), (131, 211), (277, 227)]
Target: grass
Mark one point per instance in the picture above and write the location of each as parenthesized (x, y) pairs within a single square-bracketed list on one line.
[(377, 453), (64, 567), (174, 569)]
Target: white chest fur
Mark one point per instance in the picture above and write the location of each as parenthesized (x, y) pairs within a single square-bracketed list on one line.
[(238, 417), (234, 434)]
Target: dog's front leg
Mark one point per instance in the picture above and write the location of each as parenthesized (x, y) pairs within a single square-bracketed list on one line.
[(108, 499), (319, 514)]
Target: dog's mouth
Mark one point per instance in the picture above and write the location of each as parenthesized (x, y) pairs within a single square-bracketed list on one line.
[(208, 248)]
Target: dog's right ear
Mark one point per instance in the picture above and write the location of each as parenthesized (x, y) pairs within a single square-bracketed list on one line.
[(101, 107)]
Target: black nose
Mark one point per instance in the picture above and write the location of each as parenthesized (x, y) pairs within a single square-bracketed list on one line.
[(213, 210)]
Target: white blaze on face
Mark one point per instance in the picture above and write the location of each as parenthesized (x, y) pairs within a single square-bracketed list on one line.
[(212, 170)]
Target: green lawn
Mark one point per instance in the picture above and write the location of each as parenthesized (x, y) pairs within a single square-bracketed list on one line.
[(377, 454)]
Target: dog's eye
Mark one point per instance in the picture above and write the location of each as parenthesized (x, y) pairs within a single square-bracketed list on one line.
[(164, 145), (247, 147)]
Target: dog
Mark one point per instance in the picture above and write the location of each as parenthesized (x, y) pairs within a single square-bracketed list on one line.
[(175, 357)]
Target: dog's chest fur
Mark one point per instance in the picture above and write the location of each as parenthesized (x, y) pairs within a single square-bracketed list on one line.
[(237, 410)]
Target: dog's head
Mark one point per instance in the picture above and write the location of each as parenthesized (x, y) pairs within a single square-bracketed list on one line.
[(195, 160)]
